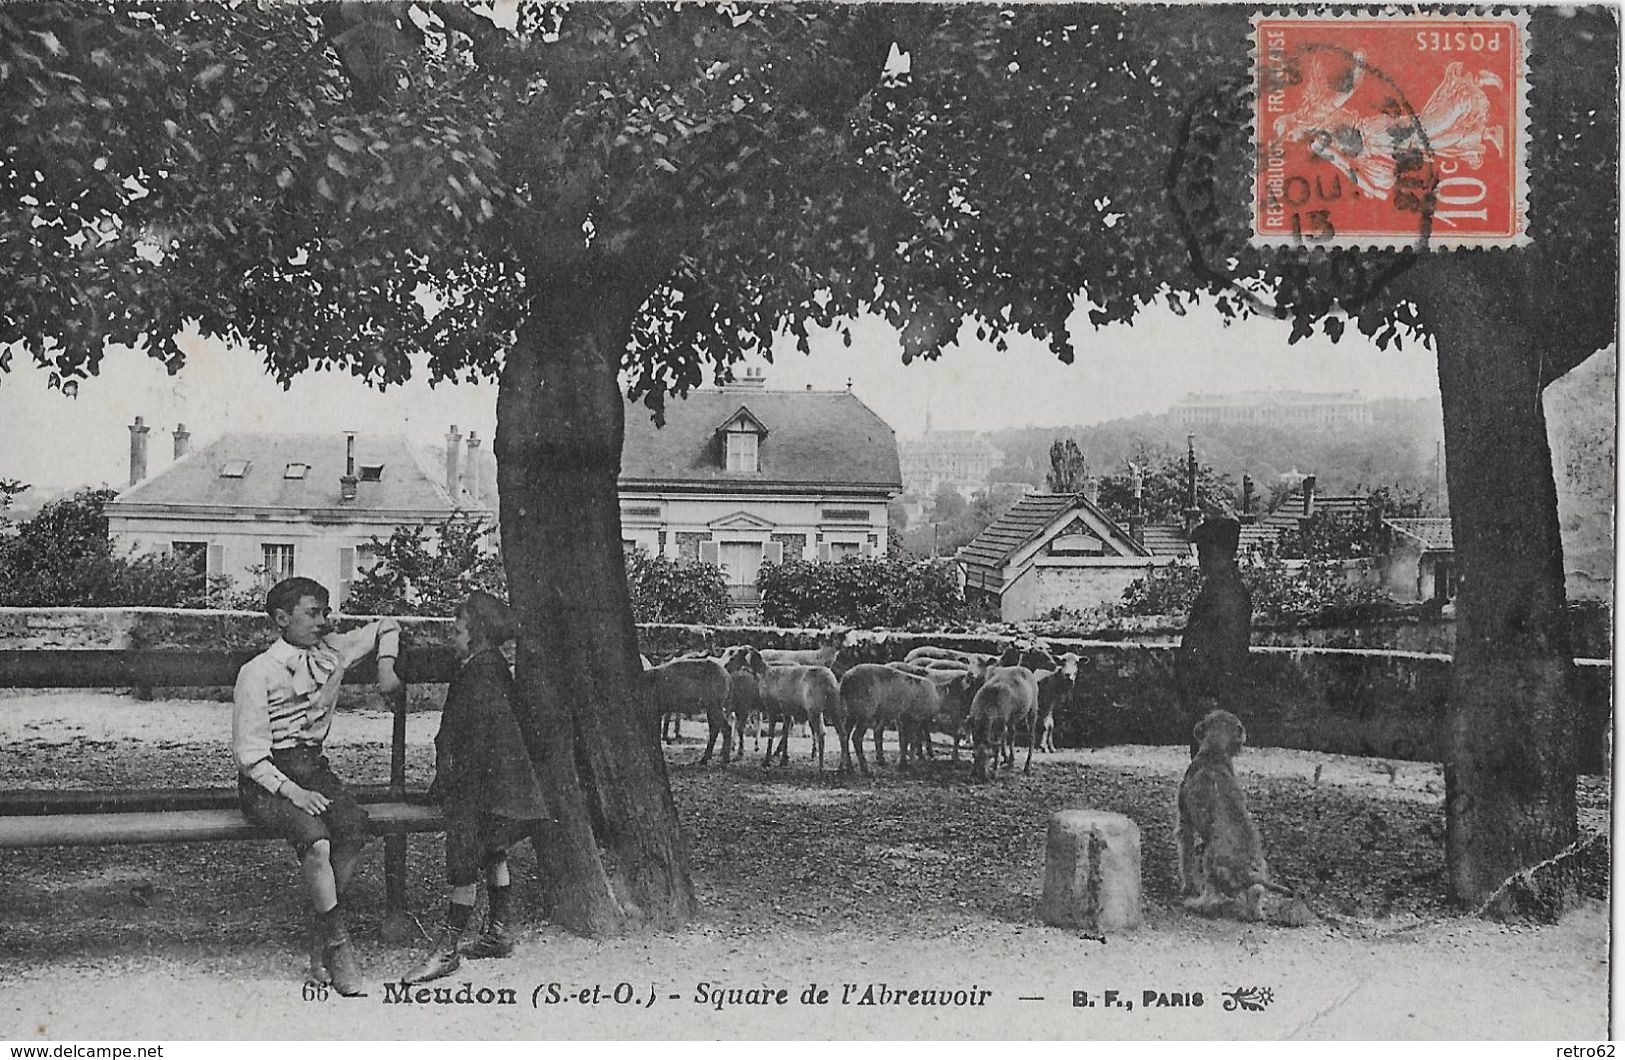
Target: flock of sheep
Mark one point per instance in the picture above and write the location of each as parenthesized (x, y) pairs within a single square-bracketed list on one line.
[(989, 698), (933, 690)]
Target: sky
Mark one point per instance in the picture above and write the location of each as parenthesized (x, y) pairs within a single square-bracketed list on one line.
[(50, 440)]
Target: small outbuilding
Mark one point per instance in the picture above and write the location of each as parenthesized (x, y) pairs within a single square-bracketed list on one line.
[(1418, 559), (1060, 550)]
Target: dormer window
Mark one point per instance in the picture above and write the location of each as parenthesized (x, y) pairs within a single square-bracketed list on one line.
[(295, 470), (741, 437), (372, 472), (234, 469), (742, 451)]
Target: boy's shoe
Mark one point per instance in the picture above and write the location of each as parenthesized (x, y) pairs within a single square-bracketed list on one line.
[(338, 954), (441, 961), (494, 941), (318, 955)]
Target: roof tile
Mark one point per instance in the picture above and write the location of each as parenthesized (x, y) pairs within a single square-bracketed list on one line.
[(1434, 533)]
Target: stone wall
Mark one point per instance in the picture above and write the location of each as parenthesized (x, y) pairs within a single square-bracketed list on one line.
[(1416, 629), (1345, 701)]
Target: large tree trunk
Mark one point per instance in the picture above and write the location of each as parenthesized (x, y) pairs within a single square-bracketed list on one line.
[(617, 860), (1509, 769)]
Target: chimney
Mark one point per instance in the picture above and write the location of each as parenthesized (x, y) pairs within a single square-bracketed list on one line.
[(454, 453), (347, 482), (183, 440), (1192, 511), (1308, 496), (471, 471), (751, 379), (138, 450), (1246, 498)]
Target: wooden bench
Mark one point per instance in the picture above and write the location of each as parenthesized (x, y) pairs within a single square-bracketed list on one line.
[(184, 826), (34, 819)]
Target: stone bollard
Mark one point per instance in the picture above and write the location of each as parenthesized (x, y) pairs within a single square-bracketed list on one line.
[(1092, 871)]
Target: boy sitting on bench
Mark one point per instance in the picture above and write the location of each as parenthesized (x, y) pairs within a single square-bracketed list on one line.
[(283, 709)]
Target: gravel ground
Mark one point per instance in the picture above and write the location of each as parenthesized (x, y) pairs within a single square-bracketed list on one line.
[(917, 880)]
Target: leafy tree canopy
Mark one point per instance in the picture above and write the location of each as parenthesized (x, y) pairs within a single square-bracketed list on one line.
[(303, 177), (1164, 488)]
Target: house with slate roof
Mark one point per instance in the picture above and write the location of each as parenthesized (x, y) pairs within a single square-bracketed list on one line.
[(1052, 550), (744, 475), (736, 477), (294, 503)]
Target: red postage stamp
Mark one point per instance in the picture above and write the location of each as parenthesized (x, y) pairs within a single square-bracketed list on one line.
[(1391, 131)]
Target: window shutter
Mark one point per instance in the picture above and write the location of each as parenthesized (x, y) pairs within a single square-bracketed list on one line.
[(215, 565), (868, 549), (708, 553), (823, 552), (346, 573), (773, 552)]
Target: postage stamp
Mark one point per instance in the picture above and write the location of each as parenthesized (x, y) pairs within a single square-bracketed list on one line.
[(1391, 131)]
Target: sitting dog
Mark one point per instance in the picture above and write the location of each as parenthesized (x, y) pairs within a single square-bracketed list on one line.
[(1221, 854)]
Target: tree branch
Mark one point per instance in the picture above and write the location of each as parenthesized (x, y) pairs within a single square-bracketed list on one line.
[(493, 46), (368, 39)]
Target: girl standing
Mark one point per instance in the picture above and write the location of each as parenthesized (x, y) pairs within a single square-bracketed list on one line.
[(485, 781)]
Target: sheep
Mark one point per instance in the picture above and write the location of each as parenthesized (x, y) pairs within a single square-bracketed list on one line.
[(689, 685), (874, 695), (1007, 697)]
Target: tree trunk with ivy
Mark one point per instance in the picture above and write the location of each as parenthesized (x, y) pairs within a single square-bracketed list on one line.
[(619, 857)]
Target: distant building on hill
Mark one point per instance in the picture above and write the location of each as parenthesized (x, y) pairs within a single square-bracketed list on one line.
[(961, 459), (1276, 408)]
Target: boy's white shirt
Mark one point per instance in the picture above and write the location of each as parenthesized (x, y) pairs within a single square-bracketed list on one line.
[(336, 654)]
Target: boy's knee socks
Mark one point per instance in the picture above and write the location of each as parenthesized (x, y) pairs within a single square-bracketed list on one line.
[(331, 923), (499, 902)]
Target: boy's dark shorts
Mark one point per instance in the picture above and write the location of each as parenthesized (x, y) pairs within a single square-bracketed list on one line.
[(344, 820), (476, 838)]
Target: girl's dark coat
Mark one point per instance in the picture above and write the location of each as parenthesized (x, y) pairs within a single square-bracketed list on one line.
[(480, 761)]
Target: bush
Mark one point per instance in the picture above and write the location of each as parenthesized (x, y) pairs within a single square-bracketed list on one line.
[(675, 590), (861, 591), (1313, 588), (62, 557), (410, 578), (1166, 590), (225, 595)]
